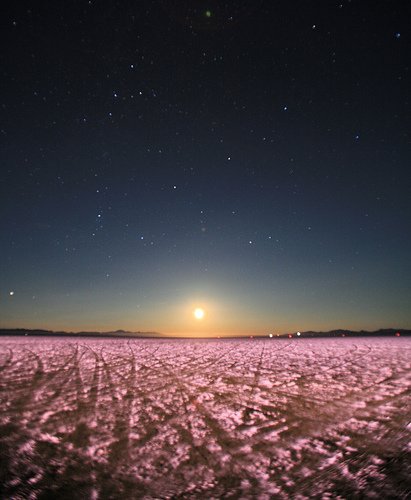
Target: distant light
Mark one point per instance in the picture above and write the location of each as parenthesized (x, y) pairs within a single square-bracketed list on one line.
[(298, 334), (397, 35), (398, 334), (198, 313), (290, 336), (208, 13), (12, 293), (271, 335)]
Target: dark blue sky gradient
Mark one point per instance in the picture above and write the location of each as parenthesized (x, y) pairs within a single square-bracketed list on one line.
[(254, 162)]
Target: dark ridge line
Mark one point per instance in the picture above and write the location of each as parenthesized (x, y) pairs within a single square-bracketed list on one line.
[(386, 332)]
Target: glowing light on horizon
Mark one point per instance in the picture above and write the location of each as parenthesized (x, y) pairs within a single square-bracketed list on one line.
[(199, 313)]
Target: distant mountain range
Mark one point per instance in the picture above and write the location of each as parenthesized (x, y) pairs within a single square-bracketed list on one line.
[(44, 333), (387, 332)]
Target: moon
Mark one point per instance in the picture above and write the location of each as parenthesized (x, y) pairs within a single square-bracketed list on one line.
[(199, 313)]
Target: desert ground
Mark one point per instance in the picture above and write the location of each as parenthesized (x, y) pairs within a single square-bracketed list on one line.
[(158, 418)]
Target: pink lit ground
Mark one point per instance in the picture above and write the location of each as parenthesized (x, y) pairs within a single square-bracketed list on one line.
[(102, 418)]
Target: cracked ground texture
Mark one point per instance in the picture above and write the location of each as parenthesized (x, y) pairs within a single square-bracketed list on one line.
[(148, 418)]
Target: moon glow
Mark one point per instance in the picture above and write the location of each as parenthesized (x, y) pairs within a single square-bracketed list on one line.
[(198, 313)]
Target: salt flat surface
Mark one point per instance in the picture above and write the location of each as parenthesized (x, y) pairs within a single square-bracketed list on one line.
[(118, 418)]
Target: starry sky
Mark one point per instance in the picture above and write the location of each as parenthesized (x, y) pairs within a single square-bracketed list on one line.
[(251, 158)]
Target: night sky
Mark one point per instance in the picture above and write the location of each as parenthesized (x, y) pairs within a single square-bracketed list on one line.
[(251, 158)]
